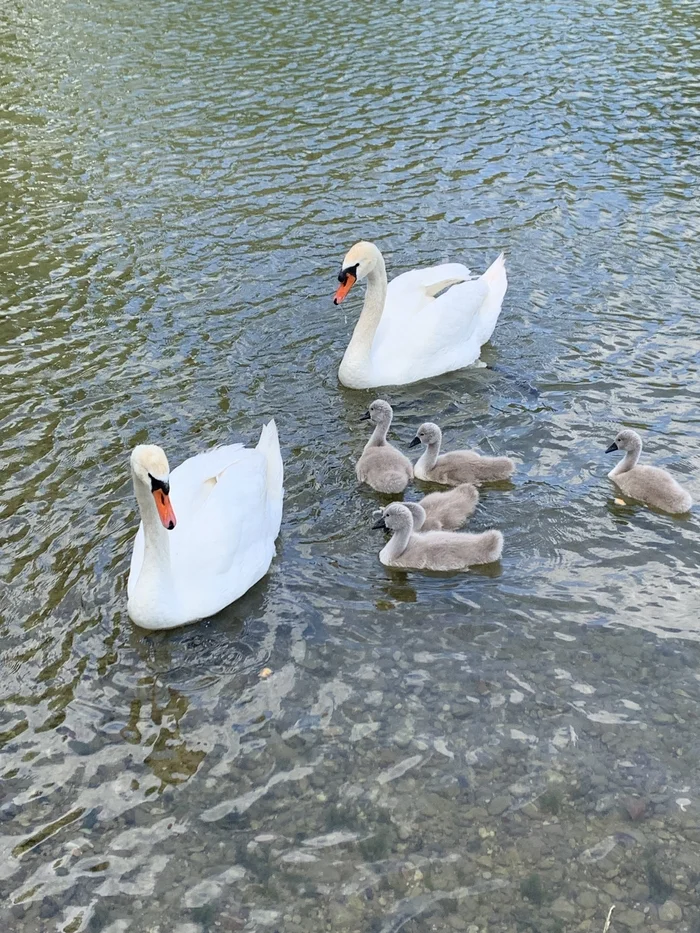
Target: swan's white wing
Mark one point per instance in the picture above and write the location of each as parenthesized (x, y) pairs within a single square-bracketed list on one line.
[(427, 336), (429, 277), (412, 290), (189, 478), (213, 531), (227, 542)]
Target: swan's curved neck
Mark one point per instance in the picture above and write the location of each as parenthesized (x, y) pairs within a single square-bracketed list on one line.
[(358, 352), (631, 459), (378, 438), (398, 543), (156, 572), (429, 457)]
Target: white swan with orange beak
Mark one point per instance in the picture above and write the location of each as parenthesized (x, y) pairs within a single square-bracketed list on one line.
[(421, 324), (207, 530)]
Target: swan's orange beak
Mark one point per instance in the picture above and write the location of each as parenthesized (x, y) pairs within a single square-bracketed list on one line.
[(165, 509), (348, 281)]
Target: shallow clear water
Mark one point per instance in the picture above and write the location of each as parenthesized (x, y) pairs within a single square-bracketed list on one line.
[(511, 749)]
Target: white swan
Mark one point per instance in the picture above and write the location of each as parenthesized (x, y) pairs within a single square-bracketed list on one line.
[(407, 331), (207, 530), (648, 484)]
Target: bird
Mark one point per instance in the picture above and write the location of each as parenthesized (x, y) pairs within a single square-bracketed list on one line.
[(444, 511), (648, 484), (433, 550), (421, 324), (207, 531), (457, 466), (381, 465)]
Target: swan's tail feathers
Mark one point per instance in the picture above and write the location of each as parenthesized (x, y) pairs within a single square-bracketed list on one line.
[(497, 281), (393, 482), (496, 273), (492, 542), (269, 444), (499, 468)]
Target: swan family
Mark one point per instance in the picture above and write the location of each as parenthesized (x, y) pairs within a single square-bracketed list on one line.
[(208, 528)]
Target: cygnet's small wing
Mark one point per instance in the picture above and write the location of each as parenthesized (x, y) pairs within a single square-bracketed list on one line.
[(448, 511), (656, 487)]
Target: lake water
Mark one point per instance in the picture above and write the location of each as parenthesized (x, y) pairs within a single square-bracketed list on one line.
[(512, 749)]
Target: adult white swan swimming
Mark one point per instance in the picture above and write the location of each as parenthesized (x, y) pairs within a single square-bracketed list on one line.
[(207, 530), (408, 330)]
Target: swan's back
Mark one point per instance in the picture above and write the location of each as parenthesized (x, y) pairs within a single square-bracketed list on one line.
[(656, 487), (447, 511), (436, 320), (385, 469), (447, 550)]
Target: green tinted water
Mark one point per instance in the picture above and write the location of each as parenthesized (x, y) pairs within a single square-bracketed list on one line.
[(511, 750)]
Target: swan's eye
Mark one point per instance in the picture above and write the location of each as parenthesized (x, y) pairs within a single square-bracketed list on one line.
[(350, 270), (156, 484)]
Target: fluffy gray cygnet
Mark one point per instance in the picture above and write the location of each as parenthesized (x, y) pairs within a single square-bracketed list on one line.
[(458, 466), (648, 484), (444, 511), (381, 465), (433, 550)]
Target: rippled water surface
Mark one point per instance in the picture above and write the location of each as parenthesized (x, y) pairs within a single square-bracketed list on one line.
[(514, 749)]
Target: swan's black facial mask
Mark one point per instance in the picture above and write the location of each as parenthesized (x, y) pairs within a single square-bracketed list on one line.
[(156, 484), (415, 442), (347, 278), (612, 447), (380, 523)]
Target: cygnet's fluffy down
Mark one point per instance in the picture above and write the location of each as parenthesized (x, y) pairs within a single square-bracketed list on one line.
[(444, 511), (458, 466), (433, 550), (648, 484), (381, 465)]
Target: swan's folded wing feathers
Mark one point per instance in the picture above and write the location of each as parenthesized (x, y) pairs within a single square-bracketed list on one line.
[(189, 475), (412, 292), (426, 278), (230, 517), (411, 337)]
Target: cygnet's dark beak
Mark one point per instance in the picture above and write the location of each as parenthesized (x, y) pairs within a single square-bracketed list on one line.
[(415, 442), (612, 447), (365, 417), (380, 523)]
